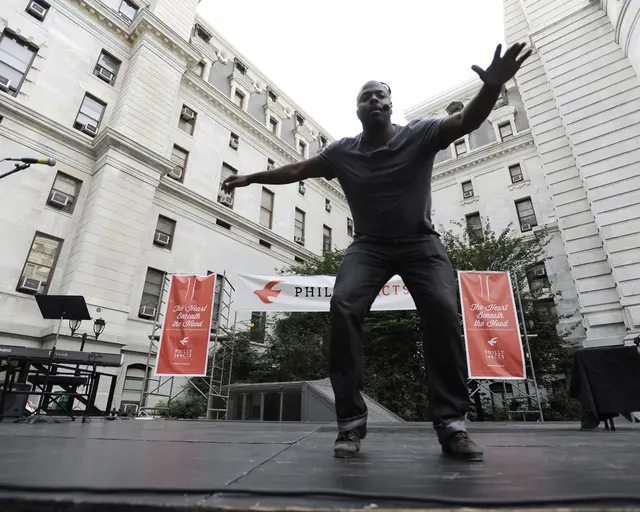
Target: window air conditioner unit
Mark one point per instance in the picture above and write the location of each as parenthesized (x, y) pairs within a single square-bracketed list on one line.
[(105, 75), (299, 240), (37, 11), (125, 17), (526, 227), (161, 238), (540, 272), (301, 188), (517, 178), (546, 289), (328, 207), (4, 84), (468, 194), (176, 173), (187, 114), (58, 199), (29, 284), (147, 312), (90, 129), (225, 200), (234, 143)]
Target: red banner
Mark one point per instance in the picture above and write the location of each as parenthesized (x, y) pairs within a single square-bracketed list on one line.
[(184, 342), (492, 333)]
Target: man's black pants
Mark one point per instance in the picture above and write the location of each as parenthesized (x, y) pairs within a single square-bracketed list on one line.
[(426, 270)]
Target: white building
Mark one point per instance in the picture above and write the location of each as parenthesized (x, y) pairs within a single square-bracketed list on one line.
[(581, 93), (145, 109), (495, 174)]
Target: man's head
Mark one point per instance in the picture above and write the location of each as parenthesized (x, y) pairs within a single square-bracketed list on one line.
[(374, 97)]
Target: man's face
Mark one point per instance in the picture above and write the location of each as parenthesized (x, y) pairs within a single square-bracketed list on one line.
[(372, 98)]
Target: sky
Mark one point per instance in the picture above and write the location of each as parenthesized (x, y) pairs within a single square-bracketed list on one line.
[(319, 53)]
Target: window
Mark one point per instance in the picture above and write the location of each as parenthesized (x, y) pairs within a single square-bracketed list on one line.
[(151, 292), (299, 120), (326, 239), (223, 224), (258, 326), (64, 192), (506, 131), (266, 208), (302, 147), (273, 125), (526, 214), (134, 378), (474, 228), (323, 142), (460, 147), (16, 57), (165, 230), (90, 115), (202, 34), (298, 260), (240, 67), (41, 261), (327, 205), (264, 243), (234, 141), (298, 227), (107, 67), (272, 96), (217, 296), (199, 69), (301, 188), (515, 171), (467, 189), (223, 197), (270, 164), (538, 279), (187, 121), (238, 98), (350, 228), (38, 9), (127, 10), (179, 157)]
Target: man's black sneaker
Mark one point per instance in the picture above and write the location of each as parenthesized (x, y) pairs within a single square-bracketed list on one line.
[(347, 444), (461, 447)]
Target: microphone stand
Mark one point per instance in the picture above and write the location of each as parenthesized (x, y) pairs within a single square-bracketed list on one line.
[(18, 167)]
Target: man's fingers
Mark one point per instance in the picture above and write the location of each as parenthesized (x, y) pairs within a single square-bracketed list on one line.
[(478, 70), (521, 60), (497, 53)]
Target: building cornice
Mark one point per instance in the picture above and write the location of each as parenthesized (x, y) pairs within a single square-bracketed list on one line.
[(145, 21), (483, 154), (258, 131), (215, 210)]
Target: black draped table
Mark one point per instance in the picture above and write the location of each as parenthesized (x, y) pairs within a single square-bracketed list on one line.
[(606, 382)]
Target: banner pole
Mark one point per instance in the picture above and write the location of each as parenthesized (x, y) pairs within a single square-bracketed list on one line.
[(526, 340)]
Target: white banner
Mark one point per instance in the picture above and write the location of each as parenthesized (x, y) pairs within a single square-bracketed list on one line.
[(306, 293)]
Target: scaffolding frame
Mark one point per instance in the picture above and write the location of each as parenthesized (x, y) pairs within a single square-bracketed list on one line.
[(222, 338)]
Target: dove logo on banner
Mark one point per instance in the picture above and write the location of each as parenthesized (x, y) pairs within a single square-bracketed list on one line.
[(306, 293)]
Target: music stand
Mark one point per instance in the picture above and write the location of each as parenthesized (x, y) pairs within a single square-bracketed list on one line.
[(57, 307)]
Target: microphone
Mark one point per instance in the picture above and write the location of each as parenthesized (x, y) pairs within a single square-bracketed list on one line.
[(386, 108), (45, 161)]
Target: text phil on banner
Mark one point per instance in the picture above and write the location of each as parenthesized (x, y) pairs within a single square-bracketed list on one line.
[(307, 293), (492, 333), (184, 341)]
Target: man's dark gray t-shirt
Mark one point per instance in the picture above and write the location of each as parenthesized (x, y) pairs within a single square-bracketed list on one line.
[(389, 190)]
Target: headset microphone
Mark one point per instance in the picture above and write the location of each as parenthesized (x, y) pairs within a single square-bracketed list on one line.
[(386, 108)]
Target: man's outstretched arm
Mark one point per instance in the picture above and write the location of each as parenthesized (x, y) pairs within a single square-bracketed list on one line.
[(314, 167), (501, 70)]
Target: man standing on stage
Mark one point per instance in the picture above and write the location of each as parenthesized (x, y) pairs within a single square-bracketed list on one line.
[(385, 173)]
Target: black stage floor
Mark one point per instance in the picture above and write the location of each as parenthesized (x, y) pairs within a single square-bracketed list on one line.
[(135, 464)]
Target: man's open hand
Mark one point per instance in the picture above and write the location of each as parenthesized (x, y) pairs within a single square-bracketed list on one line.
[(234, 181), (502, 69)]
